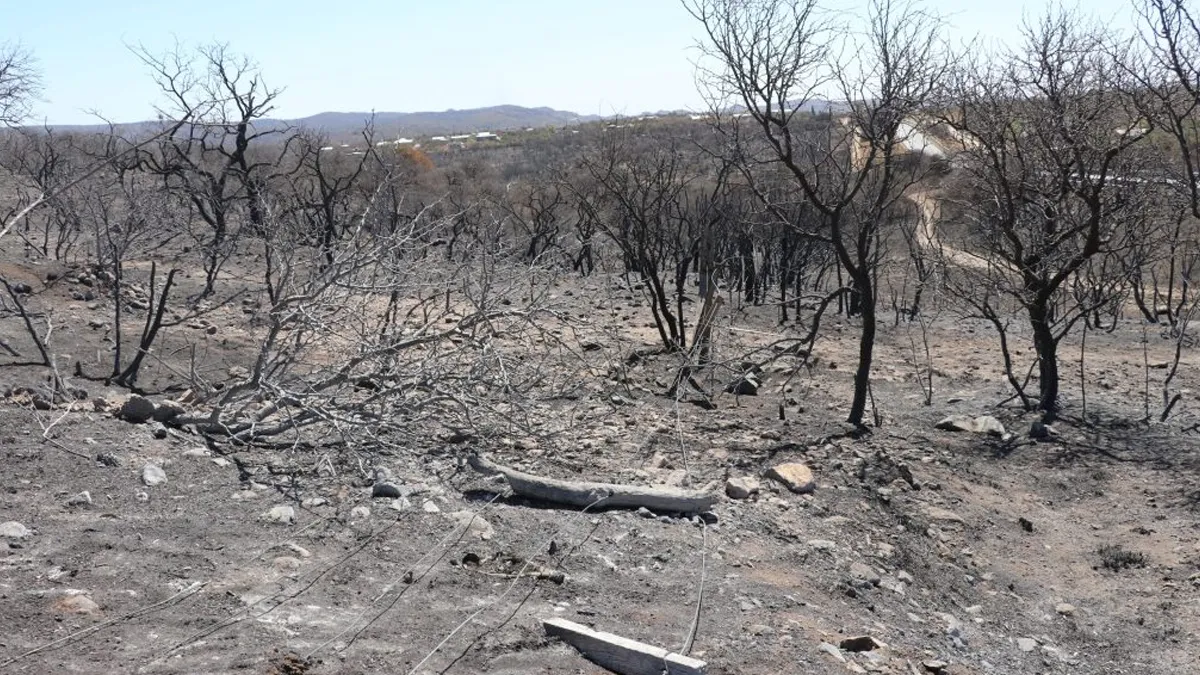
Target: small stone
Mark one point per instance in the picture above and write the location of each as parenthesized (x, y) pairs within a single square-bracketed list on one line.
[(743, 487), (136, 409), (429, 506), (360, 513), (1026, 644), (474, 523), (956, 423), (1040, 430), (108, 459), (1065, 608), (76, 604), (946, 515), (794, 475), (297, 549), (313, 502), (142, 497), (746, 385), (220, 461), (153, 475), (645, 512), (282, 514), (833, 651), (821, 545), (82, 499), (196, 452), (904, 576), (14, 530), (935, 667), (167, 411), (986, 424), (285, 563), (386, 490), (861, 643), (863, 575)]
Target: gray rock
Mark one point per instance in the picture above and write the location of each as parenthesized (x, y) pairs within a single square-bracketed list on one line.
[(833, 651), (1026, 644), (742, 487), (167, 411), (76, 604), (1041, 430), (744, 386), (360, 513), (286, 563), (14, 530), (153, 475), (1065, 608), (945, 515), (282, 514), (82, 499), (136, 409), (861, 643), (386, 490), (984, 424), (863, 575), (794, 475), (108, 459), (474, 523), (297, 549), (821, 545), (428, 506)]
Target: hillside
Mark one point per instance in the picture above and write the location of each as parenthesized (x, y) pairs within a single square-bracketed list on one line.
[(493, 118)]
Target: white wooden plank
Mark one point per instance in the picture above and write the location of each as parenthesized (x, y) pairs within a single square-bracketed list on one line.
[(622, 655)]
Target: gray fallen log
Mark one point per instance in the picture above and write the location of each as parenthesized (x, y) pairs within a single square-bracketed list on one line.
[(622, 655), (658, 499)]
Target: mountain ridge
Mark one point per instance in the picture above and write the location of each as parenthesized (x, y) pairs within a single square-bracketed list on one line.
[(490, 118)]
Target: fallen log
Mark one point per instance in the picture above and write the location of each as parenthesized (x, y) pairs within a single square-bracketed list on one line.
[(582, 494), (622, 655)]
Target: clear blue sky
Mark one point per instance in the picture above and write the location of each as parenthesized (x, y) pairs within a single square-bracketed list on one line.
[(594, 56)]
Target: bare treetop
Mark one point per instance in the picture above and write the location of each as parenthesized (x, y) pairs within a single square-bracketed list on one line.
[(20, 83)]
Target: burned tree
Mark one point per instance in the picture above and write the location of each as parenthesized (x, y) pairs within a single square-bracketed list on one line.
[(211, 163), (1050, 182), (20, 83), (771, 58)]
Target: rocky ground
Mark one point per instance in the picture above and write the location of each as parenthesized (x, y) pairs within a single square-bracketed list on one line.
[(139, 547)]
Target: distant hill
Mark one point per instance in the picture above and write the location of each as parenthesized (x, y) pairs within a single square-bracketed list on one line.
[(336, 124), (495, 118)]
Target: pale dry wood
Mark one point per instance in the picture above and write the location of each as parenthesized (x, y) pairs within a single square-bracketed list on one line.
[(659, 499), (622, 655)]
